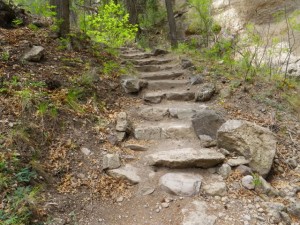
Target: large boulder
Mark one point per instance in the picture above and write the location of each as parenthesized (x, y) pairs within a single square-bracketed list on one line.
[(207, 122), (255, 143)]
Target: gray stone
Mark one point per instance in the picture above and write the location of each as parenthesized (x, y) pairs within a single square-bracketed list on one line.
[(131, 85), (207, 122), (158, 51), (244, 170), (162, 75), (205, 93), (85, 151), (164, 130), (166, 84), (153, 97), (151, 61), (294, 209), (238, 161), (111, 161), (197, 79), (185, 158), (182, 184), (113, 139), (135, 147), (120, 136), (247, 182), (180, 95), (196, 213), (122, 122), (254, 142), (128, 172), (265, 188), (215, 189), (154, 113), (35, 54), (224, 170), (186, 63)]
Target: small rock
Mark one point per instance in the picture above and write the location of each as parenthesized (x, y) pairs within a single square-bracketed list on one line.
[(113, 139), (131, 85), (120, 199), (85, 151), (157, 210), (148, 191), (165, 204), (135, 147), (120, 136), (238, 161), (215, 189), (111, 161), (294, 209), (128, 172), (292, 162), (205, 93), (264, 187), (35, 54), (198, 79), (122, 122), (247, 182), (186, 63), (181, 183), (244, 170), (224, 170), (158, 51)]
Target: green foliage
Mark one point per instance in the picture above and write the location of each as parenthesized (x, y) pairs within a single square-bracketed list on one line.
[(17, 22), (17, 193), (5, 56), (153, 14), (111, 26), (32, 27), (37, 7), (73, 97), (203, 24), (256, 180)]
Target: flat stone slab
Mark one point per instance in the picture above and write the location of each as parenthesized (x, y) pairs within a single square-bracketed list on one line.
[(196, 214), (154, 68), (127, 172), (164, 130), (150, 61), (182, 184), (180, 95), (186, 158), (166, 84), (215, 189), (153, 97), (161, 75), (182, 110), (136, 55)]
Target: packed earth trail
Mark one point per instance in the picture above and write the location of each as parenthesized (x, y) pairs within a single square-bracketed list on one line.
[(191, 165)]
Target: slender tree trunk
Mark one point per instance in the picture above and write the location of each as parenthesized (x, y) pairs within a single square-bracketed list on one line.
[(62, 9), (131, 6), (172, 23)]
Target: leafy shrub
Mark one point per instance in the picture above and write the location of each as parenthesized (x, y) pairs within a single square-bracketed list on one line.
[(111, 26)]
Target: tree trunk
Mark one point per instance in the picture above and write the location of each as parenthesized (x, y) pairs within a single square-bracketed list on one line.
[(131, 6), (62, 9), (172, 23)]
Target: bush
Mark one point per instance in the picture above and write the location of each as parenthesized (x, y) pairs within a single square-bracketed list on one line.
[(111, 26)]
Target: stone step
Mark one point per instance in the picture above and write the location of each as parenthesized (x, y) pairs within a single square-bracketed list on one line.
[(136, 55), (164, 130), (151, 61), (175, 95), (186, 158), (162, 75), (166, 84), (154, 68), (182, 110)]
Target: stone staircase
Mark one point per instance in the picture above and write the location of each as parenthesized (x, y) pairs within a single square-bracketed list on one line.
[(168, 149)]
